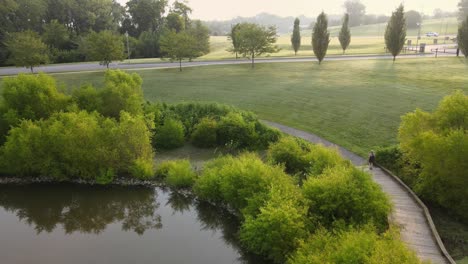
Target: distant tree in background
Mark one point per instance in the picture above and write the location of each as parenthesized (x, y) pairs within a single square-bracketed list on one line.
[(462, 37), (462, 10), (182, 9), (395, 34), (356, 11), (26, 49), (413, 18), (201, 35), (175, 22), (255, 40), (296, 36), (320, 37), (345, 34), (55, 35), (105, 47), (232, 36), (147, 15), (178, 46)]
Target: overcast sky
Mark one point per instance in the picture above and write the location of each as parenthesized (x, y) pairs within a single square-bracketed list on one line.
[(227, 9)]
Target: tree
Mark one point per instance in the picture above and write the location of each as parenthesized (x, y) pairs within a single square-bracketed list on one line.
[(232, 36), (178, 46), (255, 40), (356, 11), (320, 37), (345, 34), (201, 36), (395, 34), (26, 49), (296, 36), (148, 45), (147, 15), (104, 47), (462, 37), (462, 10), (55, 34), (175, 22), (413, 18), (183, 10), (438, 143)]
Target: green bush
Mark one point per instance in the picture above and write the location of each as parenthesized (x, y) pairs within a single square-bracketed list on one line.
[(323, 158), (170, 135), (177, 173), (87, 98), (353, 246), (121, 92), (346, 194), (276, 231), (438, 143), (77, 145), (142, 169), (233, 129), (32, 96), (242, 183), (291, 154), (204, 134)]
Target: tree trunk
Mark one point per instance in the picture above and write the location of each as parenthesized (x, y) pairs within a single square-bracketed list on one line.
[(253, 60), (180, 65), (236, 56), (107, 65), (32, 71), (394, 57)]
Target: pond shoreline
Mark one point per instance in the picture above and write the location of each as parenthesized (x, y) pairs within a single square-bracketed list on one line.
[(118, 181)]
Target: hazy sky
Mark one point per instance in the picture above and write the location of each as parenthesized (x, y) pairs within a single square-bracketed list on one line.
[(226, 9)]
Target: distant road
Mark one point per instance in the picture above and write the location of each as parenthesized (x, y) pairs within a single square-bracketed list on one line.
[(80, 67)]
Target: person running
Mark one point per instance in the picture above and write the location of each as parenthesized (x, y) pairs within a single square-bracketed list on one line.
[(371, 160)]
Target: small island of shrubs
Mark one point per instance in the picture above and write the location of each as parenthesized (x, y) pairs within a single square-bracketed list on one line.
[(297, 202)]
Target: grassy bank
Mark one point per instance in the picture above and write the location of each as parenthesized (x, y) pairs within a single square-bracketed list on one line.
[(356, 104)]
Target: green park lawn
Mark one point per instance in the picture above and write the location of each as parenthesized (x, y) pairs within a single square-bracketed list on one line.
[(356, 104)]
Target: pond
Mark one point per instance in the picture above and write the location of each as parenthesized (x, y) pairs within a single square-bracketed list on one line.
[(65, 223)]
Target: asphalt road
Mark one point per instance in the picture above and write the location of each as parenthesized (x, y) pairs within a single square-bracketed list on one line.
[(80, 67)]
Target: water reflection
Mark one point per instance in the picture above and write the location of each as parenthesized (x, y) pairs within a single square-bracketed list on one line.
[(90, 210), (81, 208)]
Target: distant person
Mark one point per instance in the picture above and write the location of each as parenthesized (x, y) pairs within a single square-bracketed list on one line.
[(371, 160)]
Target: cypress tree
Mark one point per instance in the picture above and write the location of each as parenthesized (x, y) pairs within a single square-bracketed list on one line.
[(462, 37), (296, 36), (395, 34), (345, 34), (320, 37)]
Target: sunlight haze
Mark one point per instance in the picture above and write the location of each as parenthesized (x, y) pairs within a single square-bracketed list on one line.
[(224, 10)]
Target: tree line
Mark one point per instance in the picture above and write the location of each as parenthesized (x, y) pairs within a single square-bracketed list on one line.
[(252, 40), (35, 32)]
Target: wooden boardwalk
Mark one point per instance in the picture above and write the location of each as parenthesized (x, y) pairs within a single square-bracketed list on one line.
[(407, 213)]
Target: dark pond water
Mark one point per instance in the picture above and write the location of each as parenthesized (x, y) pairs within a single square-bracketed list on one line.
[(64, 223)]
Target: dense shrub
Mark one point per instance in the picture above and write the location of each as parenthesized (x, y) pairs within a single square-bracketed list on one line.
[(204, 134), (438, 143), (242, 183), (170, 135), (177, 173), (87, 98), (275, 232), (121, 92), (32, 97), (289, 152), (234, 130), (353, 246), (77, 145), (303, 158), (345, 194)]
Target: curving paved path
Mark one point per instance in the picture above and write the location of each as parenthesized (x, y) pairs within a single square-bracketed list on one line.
[(415, 229)]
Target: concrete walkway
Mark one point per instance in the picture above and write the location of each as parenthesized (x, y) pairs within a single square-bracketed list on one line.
[(415, 229)]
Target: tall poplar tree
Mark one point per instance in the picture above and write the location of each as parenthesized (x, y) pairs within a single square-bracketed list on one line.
[(296, 36), (345, 34), (395, 34), (320, 37), (462, 37)]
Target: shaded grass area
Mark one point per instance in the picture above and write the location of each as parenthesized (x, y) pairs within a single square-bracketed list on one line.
[(356, 104)]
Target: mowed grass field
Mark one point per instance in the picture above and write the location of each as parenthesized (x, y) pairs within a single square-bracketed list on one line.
[(356, 104)]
